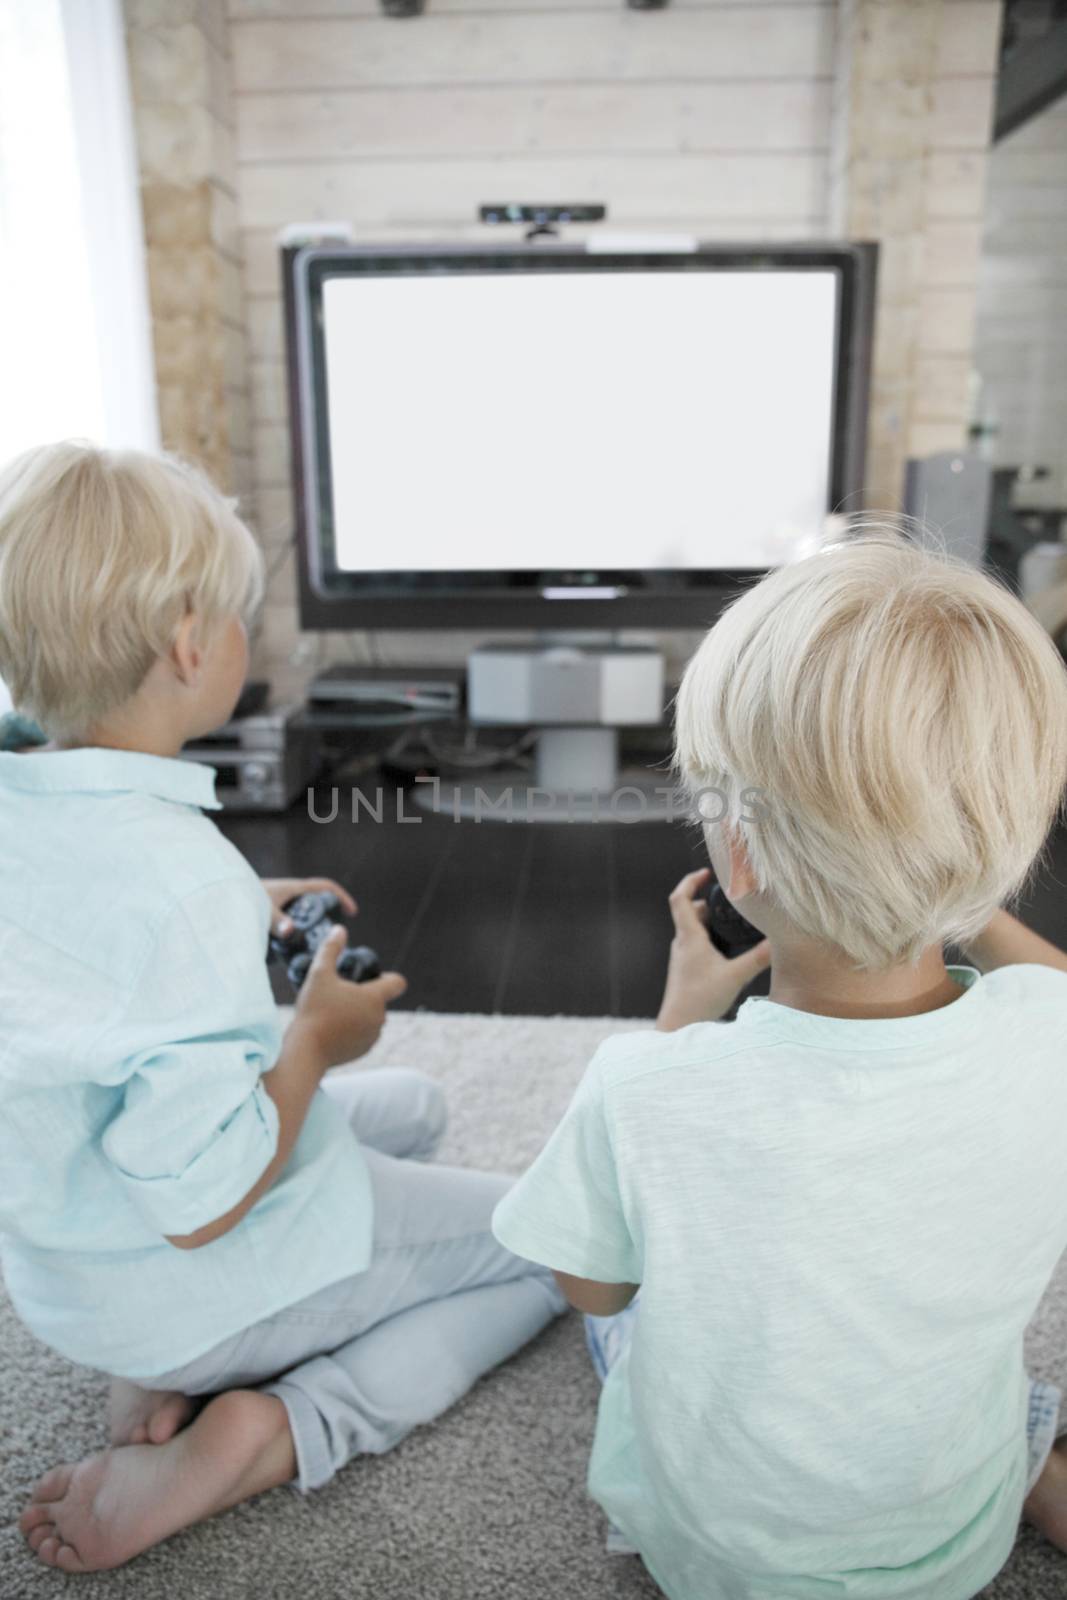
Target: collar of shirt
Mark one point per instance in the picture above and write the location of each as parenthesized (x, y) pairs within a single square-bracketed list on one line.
[(100, 771), (878, 1033)]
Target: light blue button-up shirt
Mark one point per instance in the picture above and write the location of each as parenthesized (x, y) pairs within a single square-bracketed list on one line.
[(136, 1023)]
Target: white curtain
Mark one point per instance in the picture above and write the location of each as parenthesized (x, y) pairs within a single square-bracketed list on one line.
[(75, 336), (74, 324)]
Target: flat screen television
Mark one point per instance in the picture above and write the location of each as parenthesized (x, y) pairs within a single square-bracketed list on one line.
[(557, 437)]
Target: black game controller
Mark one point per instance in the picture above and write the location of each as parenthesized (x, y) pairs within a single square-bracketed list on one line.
[(727, 929), (314, 916)]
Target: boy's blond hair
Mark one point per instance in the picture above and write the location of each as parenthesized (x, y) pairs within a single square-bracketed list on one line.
[(905, 718), (102, 553)]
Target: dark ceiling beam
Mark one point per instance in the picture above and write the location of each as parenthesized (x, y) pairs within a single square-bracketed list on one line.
[(415, 8), (1031, 77)]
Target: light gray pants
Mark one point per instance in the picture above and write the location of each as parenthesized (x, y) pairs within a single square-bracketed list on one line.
[(365, 1360)]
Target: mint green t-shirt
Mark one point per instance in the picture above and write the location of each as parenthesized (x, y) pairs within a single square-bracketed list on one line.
[(841, 1229)]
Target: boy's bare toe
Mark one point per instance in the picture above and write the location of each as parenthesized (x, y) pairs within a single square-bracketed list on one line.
[(34, 1516), (37, 1536), (110, 1507), (146, 1416), (53, 1486), (54, 1553), (49, 1549), (37, 1523), (67, 1559), (171, 1415)]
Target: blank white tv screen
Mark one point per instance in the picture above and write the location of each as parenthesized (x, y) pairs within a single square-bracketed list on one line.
[(579, 421)]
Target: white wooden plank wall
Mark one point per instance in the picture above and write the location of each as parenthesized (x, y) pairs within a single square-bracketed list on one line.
[(709, 118), (712, 117)]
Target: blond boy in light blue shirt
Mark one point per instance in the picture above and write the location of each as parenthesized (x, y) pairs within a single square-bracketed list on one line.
[(186, 1205), (843, 1208)]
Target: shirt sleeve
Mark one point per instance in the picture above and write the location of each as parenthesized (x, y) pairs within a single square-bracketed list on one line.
[(195, 1128), (566, 1211)]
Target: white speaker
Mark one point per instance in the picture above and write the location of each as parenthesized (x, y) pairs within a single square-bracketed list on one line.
[(564, 686), (949, 495)]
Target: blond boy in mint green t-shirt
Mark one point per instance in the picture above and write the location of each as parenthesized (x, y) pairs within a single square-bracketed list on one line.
[(841, 1209)]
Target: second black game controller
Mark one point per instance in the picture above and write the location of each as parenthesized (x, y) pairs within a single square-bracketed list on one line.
[(728, 930), (314, 916)]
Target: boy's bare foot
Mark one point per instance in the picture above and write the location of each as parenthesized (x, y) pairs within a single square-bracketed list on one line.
[(112, 1506), (145, 1416), (1046, 1504)]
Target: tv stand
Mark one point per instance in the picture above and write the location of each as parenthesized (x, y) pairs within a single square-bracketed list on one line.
[(576, 697), (637, 795)]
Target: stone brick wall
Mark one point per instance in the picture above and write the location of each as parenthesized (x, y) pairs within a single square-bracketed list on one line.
[(914, 84), (180, 76)]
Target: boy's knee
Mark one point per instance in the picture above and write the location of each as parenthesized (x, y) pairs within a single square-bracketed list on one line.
[(429, 1111)]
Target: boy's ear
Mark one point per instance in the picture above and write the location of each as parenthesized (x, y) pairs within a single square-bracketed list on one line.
[(742, 878), (186, 653)]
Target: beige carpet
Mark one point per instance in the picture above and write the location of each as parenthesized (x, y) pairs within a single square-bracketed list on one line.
[(489, 1503)]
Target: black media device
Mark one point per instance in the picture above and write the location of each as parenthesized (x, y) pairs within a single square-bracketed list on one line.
[(313, 917), (727, 929)]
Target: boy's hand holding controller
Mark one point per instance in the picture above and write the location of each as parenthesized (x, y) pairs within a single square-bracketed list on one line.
[(300, 926), (281, 891), (702, 983), (335, 1021)]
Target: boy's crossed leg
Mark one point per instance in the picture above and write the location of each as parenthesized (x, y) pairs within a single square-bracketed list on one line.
[(394, 1110), (365, 1360)]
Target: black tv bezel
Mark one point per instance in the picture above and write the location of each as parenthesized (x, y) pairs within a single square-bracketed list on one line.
[(332, 599)]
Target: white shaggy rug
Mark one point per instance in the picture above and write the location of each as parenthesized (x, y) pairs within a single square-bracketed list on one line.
[(487, 1504)]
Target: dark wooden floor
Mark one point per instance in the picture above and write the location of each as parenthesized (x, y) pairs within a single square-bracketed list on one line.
[(516, 918)]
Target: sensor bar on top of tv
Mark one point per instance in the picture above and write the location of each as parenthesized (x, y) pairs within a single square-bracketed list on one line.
[(510, 211)]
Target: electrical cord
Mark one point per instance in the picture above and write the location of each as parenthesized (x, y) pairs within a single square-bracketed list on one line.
[(473, 757), (355, 764), (374, 719)]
